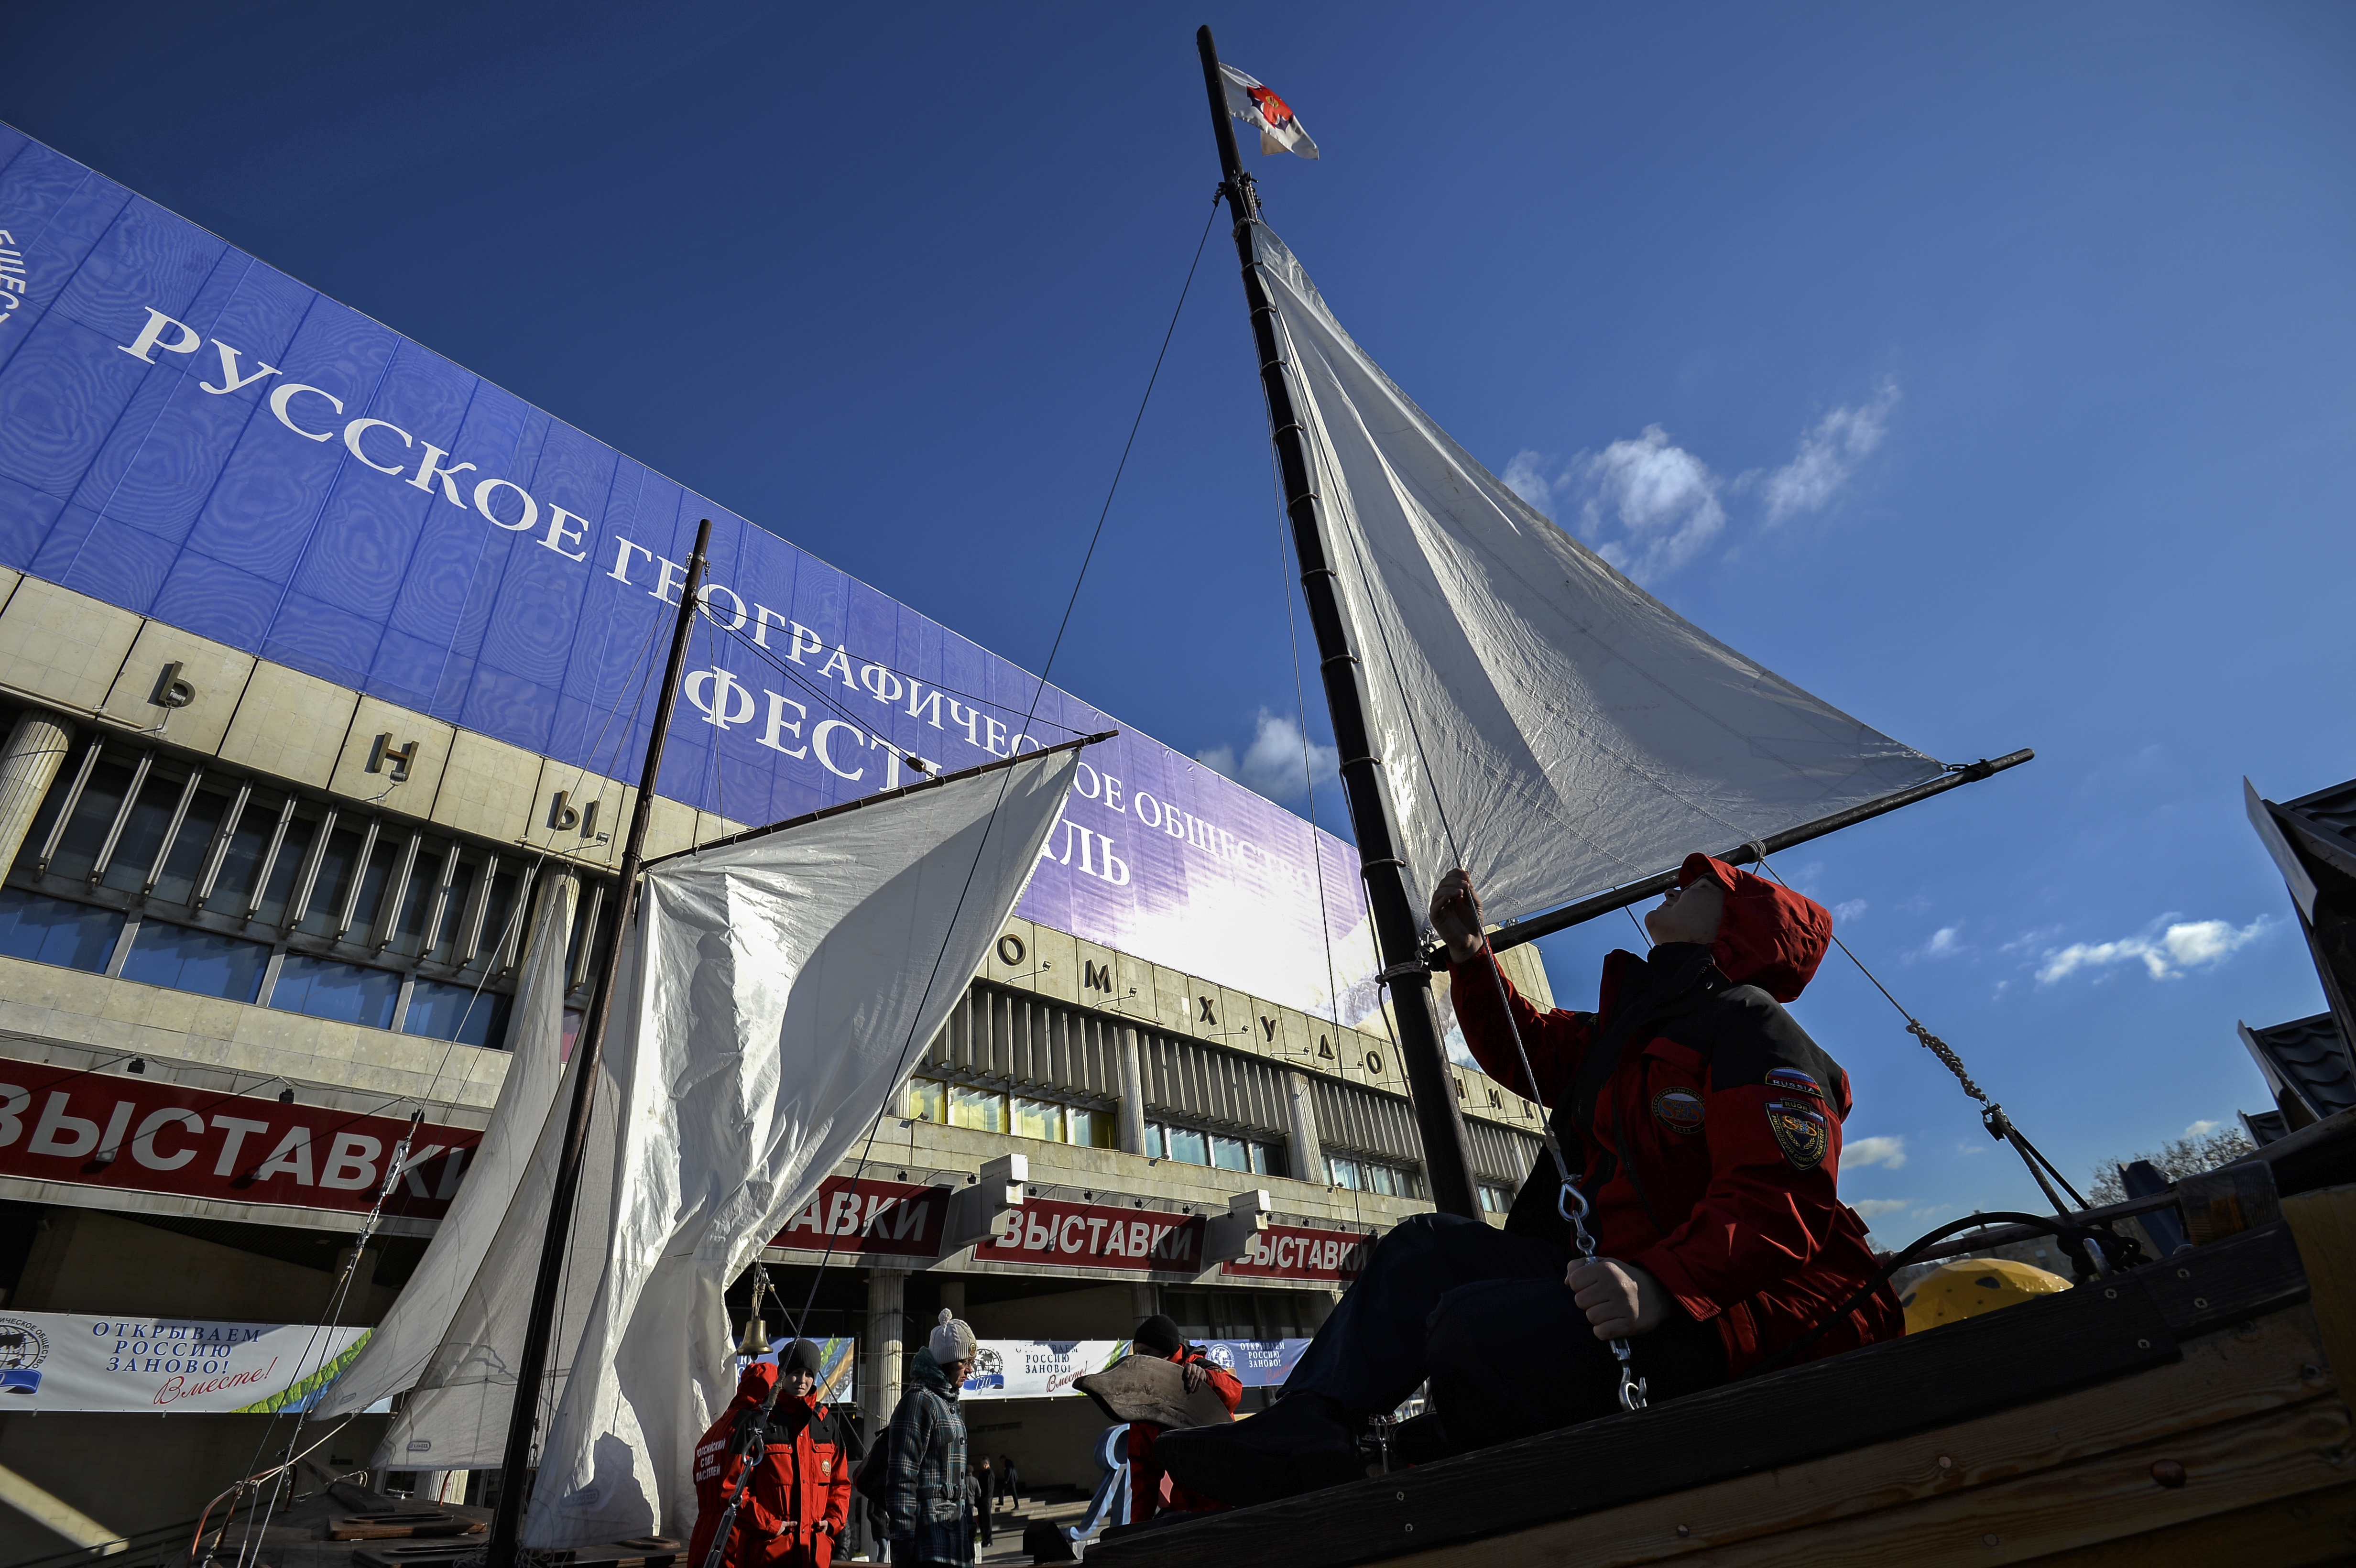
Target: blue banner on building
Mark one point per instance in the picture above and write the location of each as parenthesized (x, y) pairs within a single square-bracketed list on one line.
[(189, 434)]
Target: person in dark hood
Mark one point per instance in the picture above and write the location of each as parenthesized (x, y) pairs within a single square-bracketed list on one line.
[(1703, 1127), (1157, 1335)]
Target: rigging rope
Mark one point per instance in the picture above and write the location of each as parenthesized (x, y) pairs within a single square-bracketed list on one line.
[(1992, 1115), (910, 1047)]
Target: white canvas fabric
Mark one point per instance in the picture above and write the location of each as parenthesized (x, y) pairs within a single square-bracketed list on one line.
[(1258, 106), (1544, 721), (783, 987), (456, 1418), (403, 1345)]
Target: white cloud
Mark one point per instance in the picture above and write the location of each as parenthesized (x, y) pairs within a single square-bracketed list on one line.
[(2202, 1128), (1874, 1208), (1858, 1153), (1828, 456), (2165, 954), (1663, 498), (1943, 943), (1272, 763), (1526, 477), (1849, 910)]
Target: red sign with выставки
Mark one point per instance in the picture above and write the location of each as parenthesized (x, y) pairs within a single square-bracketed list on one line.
[(111, 1130)]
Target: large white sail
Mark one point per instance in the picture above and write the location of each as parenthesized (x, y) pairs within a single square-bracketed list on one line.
[(1544, 722), (779, 989), (401, 1353)]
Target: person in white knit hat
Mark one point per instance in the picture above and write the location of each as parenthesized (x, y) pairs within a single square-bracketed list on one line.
[(925, 1488)]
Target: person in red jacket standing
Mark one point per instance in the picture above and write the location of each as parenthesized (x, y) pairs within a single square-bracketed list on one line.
[(1703, 1127), (1157, 1335), (798, 1503)]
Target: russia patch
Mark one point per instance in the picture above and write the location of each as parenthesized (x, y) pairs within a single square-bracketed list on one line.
[(1792, 1080), (1799, 1132), (1679, 1110)]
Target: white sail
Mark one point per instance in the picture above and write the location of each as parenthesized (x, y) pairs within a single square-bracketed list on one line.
[(782, 987), (1543, 721), (401, 1350)]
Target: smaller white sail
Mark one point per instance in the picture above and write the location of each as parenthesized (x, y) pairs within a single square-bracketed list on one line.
[(403, 1344), (782, 987), (1543, 721)]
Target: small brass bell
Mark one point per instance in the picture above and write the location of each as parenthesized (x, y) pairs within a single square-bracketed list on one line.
[(756, 1330)]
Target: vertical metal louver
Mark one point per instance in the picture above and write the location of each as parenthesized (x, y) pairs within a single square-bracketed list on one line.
[(1204, 1083), (1500, 1153), (1354, 1121), (1021, 1038)]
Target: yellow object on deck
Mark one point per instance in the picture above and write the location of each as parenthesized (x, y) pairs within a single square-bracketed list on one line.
[(1969, 1286)]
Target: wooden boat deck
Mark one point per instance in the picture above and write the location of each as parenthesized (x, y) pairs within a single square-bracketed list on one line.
[(2191, 1411)]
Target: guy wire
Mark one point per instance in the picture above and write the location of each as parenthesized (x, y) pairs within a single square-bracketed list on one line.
[(1038, 694)]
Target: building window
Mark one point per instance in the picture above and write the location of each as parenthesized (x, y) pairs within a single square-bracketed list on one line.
[(189, 960), (980, 1109), (323, 988), (51, 931), (1221, 1151), (1495, 1199), (1372, 1175), (1042, 1119), (929, 1100), (1089, 1129), (459, 1013)]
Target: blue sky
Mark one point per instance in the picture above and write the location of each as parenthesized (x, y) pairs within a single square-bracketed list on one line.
[(1985, 370)]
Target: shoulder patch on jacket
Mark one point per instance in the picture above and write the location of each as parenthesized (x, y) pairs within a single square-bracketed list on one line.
[(1754, 1040), (1799, 1132)]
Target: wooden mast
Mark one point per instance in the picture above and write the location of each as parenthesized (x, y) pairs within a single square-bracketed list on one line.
[(1396, 906), (540, 1327)]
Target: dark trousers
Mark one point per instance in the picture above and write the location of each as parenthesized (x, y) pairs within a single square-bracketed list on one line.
[(1486, 1318)]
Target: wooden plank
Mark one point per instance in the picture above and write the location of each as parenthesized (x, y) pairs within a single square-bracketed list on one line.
[(2222, 1378), (2286, 1532), (399, 1526), (2324, 1222), (2231, 1281), (2034, 1351), (2106, 1499)]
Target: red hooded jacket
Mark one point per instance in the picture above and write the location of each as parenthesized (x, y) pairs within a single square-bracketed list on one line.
[(1706, 1127), (799, 1501)]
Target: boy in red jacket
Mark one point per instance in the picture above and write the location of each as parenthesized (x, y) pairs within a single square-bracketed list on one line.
[(1704, 1128), (799, 1502)]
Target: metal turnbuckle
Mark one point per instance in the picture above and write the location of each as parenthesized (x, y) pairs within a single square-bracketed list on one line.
[(1572, 1206)]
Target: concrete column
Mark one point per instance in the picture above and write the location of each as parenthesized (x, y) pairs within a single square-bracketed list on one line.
[(886, 1322), (28, 766), (1132, 1093), (1145, 1300), (1307, 1155)]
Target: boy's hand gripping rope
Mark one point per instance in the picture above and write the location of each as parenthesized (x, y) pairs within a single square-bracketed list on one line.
[(1631, 1387)]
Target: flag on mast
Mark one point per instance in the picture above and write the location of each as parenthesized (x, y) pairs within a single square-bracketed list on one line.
[(1281, 129)]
